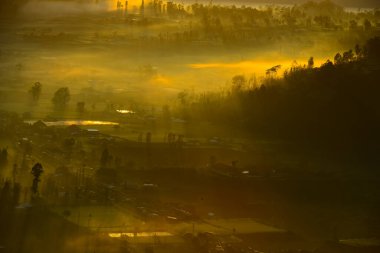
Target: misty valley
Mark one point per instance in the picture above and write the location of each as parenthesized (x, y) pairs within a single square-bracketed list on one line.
[(189, 126)]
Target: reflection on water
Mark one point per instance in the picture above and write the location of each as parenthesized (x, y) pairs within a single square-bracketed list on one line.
[(140, 234), (75, 122)]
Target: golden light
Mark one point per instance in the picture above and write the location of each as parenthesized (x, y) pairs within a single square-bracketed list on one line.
[(140, 234), (126, 111)]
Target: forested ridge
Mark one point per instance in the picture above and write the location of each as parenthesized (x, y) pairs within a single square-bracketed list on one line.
[(334, 106)]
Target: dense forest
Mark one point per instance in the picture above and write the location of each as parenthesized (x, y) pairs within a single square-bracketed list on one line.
[(333, 107)]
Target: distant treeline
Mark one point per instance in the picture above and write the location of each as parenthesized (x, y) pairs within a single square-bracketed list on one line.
[(219, 25), (230, 23), (336, 105)]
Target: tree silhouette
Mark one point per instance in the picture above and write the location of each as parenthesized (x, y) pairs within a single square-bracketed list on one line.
[(3, 158), (35, 91), (61, 98), (353, 25), (348, 56), (238, 83), (310, 63), (37, 170), (338, 59), (273, 70), (81, 107), (367, 25), (104, 159)]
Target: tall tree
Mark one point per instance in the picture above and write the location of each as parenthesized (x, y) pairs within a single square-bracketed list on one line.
[(81, 107), (36, 172), (310, 63), (3, 158), (61, 98), (104, 159), (35, 91)]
